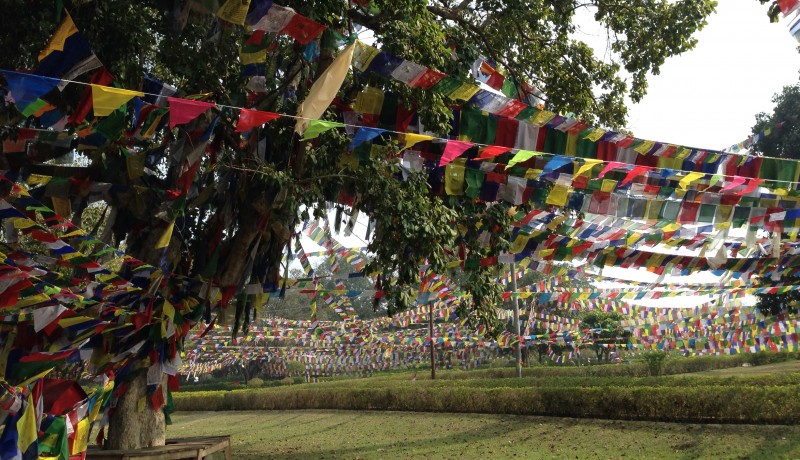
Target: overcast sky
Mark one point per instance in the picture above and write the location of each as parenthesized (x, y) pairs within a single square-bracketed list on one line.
[(708, 97)]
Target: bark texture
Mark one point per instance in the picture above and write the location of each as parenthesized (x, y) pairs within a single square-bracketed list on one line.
[(130, 429)]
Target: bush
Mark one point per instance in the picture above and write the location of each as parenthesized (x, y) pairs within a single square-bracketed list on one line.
[(655, 362), (287, 381), (255, 382)]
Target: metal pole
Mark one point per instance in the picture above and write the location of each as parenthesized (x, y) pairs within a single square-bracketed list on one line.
[(433, 347), (516, 318)]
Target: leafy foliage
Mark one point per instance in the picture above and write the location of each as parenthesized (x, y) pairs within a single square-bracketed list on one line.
[(609, 331), (782, 142)]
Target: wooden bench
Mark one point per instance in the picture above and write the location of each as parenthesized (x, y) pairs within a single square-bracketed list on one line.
[(175, 449)]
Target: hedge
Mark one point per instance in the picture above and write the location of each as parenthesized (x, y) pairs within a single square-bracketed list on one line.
[(718, 403)]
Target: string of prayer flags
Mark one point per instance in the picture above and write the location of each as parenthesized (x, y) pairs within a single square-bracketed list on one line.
[(182, 111), (249, 119), (106, 99)]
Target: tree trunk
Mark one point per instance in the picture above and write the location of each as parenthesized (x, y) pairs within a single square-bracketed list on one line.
[(131, 429)]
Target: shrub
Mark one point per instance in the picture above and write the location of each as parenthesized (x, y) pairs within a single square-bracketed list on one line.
[(255, 382), (655, 362), (287, 381)]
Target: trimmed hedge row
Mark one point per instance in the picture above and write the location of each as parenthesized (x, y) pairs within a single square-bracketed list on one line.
[(672, 366), (720, 404)]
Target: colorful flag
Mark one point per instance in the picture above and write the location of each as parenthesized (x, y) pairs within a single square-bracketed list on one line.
[(67, 54)]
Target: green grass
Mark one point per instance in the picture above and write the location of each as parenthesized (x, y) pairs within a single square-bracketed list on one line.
[(400, 435)]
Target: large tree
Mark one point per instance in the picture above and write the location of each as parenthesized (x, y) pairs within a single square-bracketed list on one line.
[(235, 216), (777, 134)]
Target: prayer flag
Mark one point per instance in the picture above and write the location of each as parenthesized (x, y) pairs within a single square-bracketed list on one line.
[(67, 54), (324, 90), (27, 431), (522, 156), (411, 139), (107, 99), (234, 11), (182, 111), (365, 134), (165, 238), (689, 178), (453, 150), (249, 119), (492, 151), (302, 29), (317, 127), (26, 88)]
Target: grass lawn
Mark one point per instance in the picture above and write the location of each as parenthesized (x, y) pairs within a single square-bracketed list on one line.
[(381, 435)]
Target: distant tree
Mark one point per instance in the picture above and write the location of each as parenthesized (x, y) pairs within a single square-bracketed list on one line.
[(609, 331), (780, 137)]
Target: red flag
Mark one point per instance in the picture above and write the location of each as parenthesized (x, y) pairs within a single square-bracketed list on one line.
[(492, 151), (496, 81), (302, 29), (157, 398), (185, 110), (787, 6), (453, 150), (751, 185), (635, 172), (61, 396), (249, 119)]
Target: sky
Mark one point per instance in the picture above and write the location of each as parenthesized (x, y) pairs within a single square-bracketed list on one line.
[(708, 97)]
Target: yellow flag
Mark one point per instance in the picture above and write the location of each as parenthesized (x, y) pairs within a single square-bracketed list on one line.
[(411, 139), (56, 43), (587, 167), (454, 177), (234, 11), (608, 185), (169, 310), (689, 178), (324, 90), (106, 99), (558, 195), (166, 236), (81, 437), (26, 426)]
